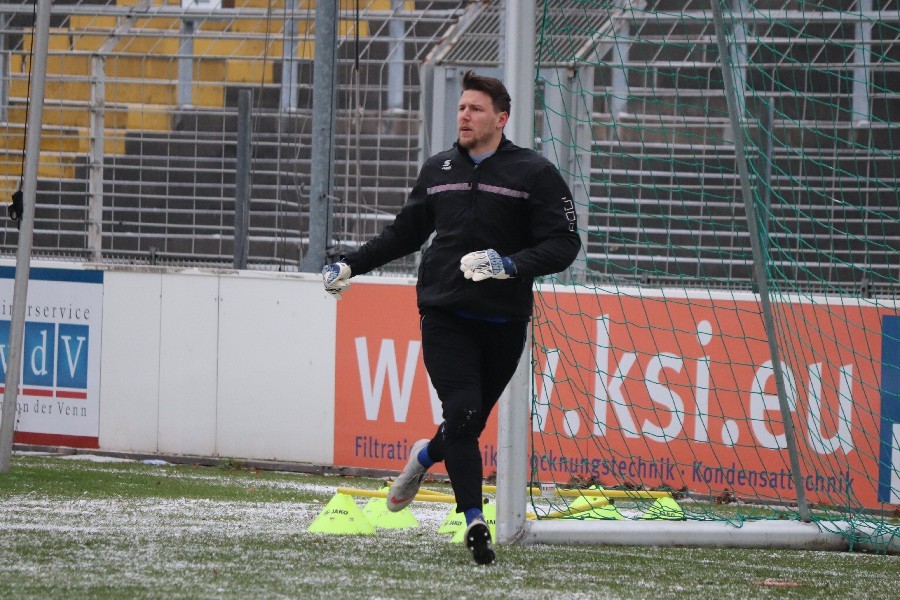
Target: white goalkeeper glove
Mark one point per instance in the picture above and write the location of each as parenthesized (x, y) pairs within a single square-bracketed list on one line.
[(336, 278), (486, 264)]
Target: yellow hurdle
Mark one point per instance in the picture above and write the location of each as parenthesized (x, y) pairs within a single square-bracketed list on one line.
[(422, 496), (435, 493), (621, 494), (425, 495), (589, 504)]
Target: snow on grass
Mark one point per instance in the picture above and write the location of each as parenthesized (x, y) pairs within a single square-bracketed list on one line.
[(212, 546), (149, 516), (113, 465), (182, 543)]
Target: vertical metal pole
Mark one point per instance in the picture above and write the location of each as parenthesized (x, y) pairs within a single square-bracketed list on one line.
[(515, 411), (4, 71), (582, 140), (566, 123), (518, 69), (738, 53), (862, 57), (396, 52), (186, 63), (621, 50), (322, 168), (759, 258), (504, 36), (428, 90), (242, 182), (765, 171), (557, 135), (512, 451), (26, 230), (289, 65), (97, 140)]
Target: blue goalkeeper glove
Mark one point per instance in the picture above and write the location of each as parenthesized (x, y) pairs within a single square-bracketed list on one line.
[(336, 278), (486, 264)]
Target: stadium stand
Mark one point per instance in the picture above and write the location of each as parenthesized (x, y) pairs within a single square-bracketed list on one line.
[(168, 164)]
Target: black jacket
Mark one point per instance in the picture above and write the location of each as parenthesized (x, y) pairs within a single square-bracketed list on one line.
[(515, 202)]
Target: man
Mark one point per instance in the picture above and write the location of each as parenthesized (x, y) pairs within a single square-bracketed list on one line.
[(501, 215)]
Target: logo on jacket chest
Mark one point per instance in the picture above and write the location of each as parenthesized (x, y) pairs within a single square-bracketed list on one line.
[(569, 210), (446, 166)]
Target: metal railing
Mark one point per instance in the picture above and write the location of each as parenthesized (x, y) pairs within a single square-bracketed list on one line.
[(140, 129)]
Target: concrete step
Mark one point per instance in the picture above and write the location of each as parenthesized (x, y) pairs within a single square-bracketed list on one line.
[(56, 139), (150, 2), (119, 91), (73, 65), (88, 41), (116, 116), (251, 71), (88, 23), (51, 165)]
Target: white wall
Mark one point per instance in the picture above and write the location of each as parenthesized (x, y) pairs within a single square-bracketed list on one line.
[(188, 364), (218, 363), (129, 363)]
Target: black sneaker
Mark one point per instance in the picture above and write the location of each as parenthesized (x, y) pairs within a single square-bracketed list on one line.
[(478, 540)]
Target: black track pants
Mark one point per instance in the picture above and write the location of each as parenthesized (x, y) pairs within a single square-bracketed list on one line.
[(470, 362)]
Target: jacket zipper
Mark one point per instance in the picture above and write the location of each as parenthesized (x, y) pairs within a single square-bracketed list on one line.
[(473, 207)]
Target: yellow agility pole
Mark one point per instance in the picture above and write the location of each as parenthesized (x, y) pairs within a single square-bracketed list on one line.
[(435, 493), (596, 508), (620, 494), (589, 504), (420, 497)]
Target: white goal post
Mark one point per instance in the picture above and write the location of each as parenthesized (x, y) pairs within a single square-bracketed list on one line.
[(513, 526)]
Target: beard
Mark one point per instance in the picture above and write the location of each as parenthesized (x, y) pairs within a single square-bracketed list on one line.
[(474, 140)]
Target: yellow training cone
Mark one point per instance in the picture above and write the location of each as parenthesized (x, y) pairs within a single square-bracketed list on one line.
[(386, 519), (608, 512), (376, 505), (343, 517), (453, 522), (594, 507), (665, 509), (377, 513), (490, 517), (583, 503)]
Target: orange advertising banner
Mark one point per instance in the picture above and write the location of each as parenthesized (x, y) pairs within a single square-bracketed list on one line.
[(384, 401), (671, 390)]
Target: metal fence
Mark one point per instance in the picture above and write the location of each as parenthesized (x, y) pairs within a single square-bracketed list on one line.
[(139, 138)]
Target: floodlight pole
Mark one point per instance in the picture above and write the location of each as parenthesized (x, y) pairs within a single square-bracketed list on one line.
[(26, 230), (735, 111)]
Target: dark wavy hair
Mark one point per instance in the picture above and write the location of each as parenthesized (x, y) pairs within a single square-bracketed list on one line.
[(490, 86)]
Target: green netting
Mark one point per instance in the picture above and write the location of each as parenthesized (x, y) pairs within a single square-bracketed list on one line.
[(655, 368)]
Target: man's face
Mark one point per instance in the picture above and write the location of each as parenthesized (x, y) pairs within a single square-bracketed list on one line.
[(480, 126)]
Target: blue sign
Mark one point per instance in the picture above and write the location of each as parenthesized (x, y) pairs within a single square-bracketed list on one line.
[(72, 348), (889, 462), (39, 356), (4, 349), (54, 355)]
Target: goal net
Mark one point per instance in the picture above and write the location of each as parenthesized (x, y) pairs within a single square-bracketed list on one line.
[(722, 364)]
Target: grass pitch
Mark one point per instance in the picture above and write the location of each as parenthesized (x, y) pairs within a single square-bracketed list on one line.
[(121, 529)]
